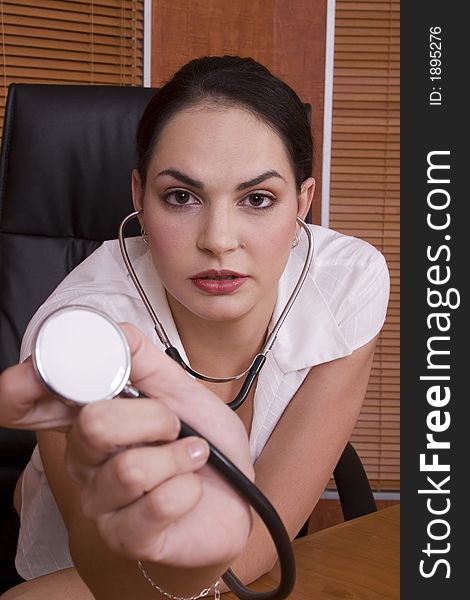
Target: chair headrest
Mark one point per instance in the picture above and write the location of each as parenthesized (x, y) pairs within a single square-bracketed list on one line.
[(68, 150)]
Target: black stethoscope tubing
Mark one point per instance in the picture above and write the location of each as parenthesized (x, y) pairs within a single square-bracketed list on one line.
[(263, 508), (269, 517), (247, 384)]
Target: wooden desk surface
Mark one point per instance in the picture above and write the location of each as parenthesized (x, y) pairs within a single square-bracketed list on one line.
[(355, 560)]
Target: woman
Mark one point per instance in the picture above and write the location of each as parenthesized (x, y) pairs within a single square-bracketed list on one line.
[(225, 168)]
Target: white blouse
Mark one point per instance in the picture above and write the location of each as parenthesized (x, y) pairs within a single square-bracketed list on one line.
[(341, 307)]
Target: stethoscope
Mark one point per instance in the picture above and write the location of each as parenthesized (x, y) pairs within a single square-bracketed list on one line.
[(253, 370), (82, 356)]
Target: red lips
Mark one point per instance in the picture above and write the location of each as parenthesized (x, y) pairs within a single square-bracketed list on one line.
[(217, 274), (218, 282)]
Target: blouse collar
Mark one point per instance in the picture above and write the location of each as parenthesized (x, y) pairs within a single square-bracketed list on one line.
[(310, 334)]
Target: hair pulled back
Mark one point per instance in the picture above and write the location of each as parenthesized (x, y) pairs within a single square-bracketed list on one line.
[(231, 81)]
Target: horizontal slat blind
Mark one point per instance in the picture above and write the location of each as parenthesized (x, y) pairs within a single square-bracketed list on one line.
[(365, 199), (71, 41)]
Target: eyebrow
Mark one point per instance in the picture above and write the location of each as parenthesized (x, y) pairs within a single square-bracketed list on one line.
[(182, 177), (200, 186), (259, 179)]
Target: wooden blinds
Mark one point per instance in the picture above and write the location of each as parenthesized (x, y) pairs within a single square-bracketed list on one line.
[(365, 198), (71, 41)]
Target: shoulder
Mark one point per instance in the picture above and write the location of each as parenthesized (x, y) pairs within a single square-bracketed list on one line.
[(101, 282), (337, 251), (349, 271), (342, 304), (101, 269)]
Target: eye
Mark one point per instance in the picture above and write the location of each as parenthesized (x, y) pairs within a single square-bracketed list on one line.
[(180, 198), (258, 200)]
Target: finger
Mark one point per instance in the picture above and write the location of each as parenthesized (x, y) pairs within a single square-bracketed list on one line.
[(26, 404), (138, 530), (130, 474), (104, 427)]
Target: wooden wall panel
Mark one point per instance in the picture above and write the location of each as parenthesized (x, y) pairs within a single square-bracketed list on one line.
[(299, 59), (287, 37)]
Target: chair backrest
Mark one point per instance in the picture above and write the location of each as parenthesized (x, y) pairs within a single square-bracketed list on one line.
[(65, 168)]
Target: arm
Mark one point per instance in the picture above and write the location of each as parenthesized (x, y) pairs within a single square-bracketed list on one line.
[(314, 428), (149, 501), (106, 573)]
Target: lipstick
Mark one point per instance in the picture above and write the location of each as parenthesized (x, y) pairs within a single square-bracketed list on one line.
[(218, 282)]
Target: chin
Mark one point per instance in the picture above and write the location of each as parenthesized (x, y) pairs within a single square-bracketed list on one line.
[(219, 309), (219, 315)]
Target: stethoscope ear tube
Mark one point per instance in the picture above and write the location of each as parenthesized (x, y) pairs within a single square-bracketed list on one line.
[(252, 374), (268, 515), (249, 379)]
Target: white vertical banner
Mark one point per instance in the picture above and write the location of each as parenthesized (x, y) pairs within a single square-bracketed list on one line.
[(147, 42)]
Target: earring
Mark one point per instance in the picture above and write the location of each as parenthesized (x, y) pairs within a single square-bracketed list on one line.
[(145, 237), (296, 240)]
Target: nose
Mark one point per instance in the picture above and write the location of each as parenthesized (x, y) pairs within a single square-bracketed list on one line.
[(219, 232)]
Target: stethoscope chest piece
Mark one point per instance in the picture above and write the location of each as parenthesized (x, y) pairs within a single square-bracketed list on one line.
[(81, 355)]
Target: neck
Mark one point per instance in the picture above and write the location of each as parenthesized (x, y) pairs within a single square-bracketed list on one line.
[(222, 348)]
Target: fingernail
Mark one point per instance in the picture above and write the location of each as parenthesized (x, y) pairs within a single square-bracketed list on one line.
[(197, 450)]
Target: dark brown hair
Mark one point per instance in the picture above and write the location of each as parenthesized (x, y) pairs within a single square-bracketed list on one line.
[(231, 81)]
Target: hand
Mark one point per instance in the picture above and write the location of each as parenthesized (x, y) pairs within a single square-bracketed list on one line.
[(26, 404), (149, 499)]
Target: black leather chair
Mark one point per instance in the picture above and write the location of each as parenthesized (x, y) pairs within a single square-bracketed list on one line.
[(65, 167), (66, 159)]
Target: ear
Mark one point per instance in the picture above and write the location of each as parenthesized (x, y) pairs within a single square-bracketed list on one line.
[(137, 190), (305, 199)]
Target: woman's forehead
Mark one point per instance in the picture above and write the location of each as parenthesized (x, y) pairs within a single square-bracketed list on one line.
[(205, 138)]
